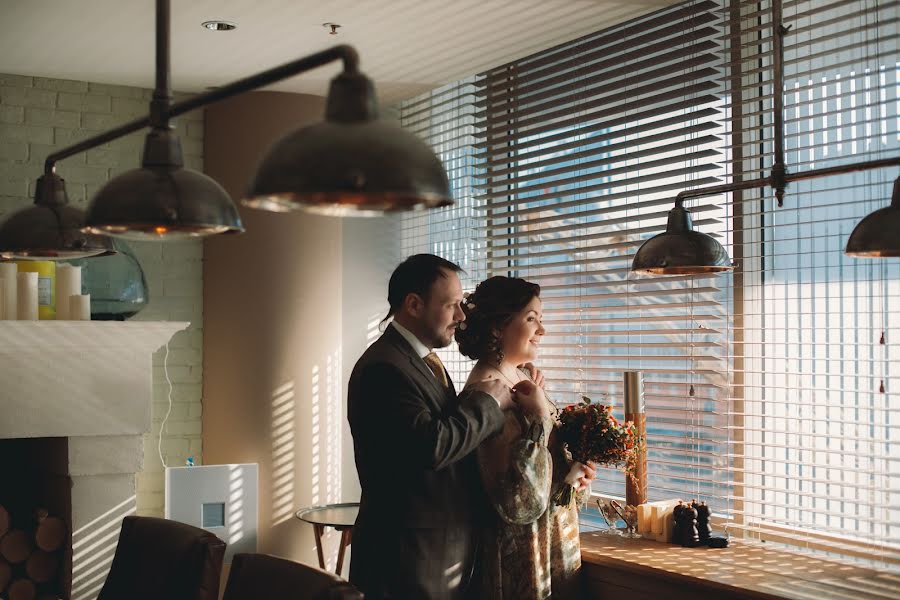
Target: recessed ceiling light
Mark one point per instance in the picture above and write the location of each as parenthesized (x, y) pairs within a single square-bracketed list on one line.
[(219, 25)]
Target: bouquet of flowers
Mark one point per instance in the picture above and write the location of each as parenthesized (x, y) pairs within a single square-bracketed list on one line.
[(591, 433)]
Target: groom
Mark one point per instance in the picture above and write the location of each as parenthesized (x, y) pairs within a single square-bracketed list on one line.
[(415, 537)]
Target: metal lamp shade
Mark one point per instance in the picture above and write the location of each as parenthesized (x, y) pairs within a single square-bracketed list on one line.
[(361, 168), (154, 203), (50, 229), (681, 250), (878, 234)]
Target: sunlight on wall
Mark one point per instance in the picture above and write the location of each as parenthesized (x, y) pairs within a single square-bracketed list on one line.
[(283, 452), (326, 423), (93, 548), (373, 332), (334, 421), (235, 518), (315, 498)]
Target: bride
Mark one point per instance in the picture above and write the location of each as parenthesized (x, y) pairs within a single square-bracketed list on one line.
[(531, 547)]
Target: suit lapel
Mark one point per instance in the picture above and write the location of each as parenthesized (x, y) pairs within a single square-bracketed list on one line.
[(419, 364)]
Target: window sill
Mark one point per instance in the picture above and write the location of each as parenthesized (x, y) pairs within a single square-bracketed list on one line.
[(636, 569)]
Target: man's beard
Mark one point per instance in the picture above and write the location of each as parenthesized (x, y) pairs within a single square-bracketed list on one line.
[(444, 338)]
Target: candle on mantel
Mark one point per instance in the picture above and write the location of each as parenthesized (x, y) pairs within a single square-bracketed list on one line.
[(68, 283), (27, 296), (80, 307), (8, 273)]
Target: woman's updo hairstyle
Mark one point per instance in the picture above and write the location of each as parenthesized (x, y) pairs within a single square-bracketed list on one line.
[(488, 310)]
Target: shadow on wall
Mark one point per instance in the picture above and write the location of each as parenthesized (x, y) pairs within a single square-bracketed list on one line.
[(93, 548)]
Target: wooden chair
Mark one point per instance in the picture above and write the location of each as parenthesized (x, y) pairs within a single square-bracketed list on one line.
[(257, 576), (158, 558)]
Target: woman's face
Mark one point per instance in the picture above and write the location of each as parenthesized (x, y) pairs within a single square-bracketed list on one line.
[(521, 336)]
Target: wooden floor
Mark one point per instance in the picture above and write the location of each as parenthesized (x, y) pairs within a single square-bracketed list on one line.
[(637, 569)]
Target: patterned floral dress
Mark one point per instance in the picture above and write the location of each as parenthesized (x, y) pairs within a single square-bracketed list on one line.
[(532, 551)]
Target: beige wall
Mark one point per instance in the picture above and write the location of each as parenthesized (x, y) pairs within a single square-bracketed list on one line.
[(272, 332)]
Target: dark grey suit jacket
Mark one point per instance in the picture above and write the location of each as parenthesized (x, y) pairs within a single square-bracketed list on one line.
[(413, 442)]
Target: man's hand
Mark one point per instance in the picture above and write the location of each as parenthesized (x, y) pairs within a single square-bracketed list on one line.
[(536, 375), (498, 390), (530, 399)]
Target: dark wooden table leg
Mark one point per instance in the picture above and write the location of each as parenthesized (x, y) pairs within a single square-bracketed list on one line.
[(345, 541), (319, 530)]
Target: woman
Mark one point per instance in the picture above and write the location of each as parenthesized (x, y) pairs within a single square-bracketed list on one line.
[(532, 548)]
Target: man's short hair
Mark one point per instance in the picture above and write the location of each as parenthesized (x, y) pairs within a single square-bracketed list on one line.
[(416, 275)]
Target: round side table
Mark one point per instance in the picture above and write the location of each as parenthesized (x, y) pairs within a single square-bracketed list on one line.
[(340, 516)]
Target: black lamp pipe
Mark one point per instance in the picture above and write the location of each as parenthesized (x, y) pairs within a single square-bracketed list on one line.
[(779, 181), (788, 177), (162, 92), (341, 52)]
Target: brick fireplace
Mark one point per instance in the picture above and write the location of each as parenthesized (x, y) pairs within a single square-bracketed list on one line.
[(76, 399)]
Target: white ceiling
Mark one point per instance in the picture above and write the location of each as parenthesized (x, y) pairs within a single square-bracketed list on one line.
[(406, 46)]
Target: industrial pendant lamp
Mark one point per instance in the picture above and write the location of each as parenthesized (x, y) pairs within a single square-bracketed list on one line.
[(351, 164), (50, 229), (162, 199), (878, 234), (681, 250)]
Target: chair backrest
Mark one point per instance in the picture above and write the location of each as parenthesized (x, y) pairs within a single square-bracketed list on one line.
[(257, 576), (158, 558)]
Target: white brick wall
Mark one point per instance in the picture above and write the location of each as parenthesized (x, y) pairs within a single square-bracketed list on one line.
[(39, 115)]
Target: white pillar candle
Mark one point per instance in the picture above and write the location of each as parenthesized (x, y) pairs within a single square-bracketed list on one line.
[(27, 296), (8, 273), (80, 307), (68, 283)]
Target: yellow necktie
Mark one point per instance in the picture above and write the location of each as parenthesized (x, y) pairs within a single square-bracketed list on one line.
[(437, 367)]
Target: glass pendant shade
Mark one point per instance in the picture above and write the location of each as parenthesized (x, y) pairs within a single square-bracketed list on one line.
[(681, 250), (162, 200), (351, 164), (878, 234), (50, 229)]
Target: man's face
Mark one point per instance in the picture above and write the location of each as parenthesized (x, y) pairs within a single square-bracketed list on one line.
[(442, 311)]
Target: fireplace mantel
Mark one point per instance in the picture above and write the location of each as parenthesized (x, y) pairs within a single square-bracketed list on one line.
[(90, 382), (78, 378)]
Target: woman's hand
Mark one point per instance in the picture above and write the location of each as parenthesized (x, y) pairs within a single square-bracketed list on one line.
[(530, 399), (581, 475), (536, 375)]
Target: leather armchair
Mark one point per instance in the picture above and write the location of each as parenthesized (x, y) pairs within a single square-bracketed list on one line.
[(158, 558), (259, 576)]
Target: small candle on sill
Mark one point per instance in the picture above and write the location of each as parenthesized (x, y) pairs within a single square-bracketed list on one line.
[(27, 296), (80, 307)]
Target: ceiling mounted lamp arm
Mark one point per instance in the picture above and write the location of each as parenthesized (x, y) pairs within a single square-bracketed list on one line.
[(342, 52), (351, 164)]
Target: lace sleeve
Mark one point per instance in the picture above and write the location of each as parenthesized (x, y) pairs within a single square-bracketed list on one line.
[(516, 469)]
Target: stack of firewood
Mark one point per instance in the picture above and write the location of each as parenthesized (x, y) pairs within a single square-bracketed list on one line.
[(30, 554)]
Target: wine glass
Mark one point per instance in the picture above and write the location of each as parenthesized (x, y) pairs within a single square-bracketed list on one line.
[(608, 513)]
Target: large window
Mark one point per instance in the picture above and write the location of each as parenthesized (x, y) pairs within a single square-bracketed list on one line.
[(764, 387)]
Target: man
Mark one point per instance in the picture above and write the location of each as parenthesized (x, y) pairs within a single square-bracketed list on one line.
[(415, 537)]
